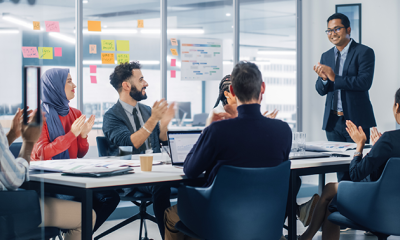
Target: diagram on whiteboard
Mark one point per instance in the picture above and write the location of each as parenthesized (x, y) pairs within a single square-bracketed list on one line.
[(201, 59)]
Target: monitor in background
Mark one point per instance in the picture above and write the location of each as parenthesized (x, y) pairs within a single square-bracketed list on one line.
[(182, 111), (180, 143)]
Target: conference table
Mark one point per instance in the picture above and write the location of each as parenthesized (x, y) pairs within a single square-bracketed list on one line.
[(83, 187)]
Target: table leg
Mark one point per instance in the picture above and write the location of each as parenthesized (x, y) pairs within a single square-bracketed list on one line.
[(321, 183), (87, 206), (292, 228)]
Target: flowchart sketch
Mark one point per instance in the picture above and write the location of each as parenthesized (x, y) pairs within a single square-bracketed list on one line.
[(201, 59)]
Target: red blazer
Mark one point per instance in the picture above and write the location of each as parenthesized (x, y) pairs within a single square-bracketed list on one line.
[(77, 147)]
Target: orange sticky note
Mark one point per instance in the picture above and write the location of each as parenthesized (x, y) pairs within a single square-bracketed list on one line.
[(93, 48), (140, 24), (174, 52), (94, 26), (107, 58), (174, 42), (36, 25)]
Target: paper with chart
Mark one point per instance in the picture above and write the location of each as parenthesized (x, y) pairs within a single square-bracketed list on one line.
[(201, 59), (330, 146)]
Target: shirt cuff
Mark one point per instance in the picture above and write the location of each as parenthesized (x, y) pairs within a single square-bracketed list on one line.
[(25, 164), (324, 81)]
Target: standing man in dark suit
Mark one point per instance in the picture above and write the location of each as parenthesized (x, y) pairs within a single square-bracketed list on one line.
[(130, 123), (345, 75)]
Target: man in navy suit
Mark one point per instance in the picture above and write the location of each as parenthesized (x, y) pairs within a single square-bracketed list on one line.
[(345, 75)]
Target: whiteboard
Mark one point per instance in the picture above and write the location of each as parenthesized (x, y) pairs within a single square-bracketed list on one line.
[(201, 59)]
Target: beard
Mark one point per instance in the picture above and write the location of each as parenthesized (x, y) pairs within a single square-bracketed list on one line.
[(137, 95)]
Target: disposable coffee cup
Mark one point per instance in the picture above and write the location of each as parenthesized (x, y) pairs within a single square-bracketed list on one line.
[(146, 163)]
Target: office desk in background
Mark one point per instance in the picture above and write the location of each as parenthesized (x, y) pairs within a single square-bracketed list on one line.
[(167, 174)]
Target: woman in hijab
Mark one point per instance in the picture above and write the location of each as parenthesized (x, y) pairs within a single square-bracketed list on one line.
[(64, 134)]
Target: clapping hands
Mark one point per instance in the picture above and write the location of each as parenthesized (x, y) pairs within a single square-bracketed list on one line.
[(356, 133), (375, 135)]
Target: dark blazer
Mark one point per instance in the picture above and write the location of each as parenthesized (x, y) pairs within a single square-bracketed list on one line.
[(250, 140), (370, 167), (118, 129), (356, 80)]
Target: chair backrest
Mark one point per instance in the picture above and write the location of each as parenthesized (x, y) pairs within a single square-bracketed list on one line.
[(246, 203), (15, 148), (384, 210), (200, 119), (103, 146), (19, 213)]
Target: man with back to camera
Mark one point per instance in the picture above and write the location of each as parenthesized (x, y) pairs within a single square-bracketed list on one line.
[(130, 123), (248, 140), (345, 75)]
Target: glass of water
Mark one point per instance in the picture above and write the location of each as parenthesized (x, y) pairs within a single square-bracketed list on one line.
[(301, 142), (295, 142)]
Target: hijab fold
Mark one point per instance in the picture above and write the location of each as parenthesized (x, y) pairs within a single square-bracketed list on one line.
[(55, 103)]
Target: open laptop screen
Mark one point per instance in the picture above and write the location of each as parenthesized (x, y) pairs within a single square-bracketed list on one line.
[(180, 144)]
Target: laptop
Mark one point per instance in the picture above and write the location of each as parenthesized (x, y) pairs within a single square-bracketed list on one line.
[(306, 154), (180, 143)]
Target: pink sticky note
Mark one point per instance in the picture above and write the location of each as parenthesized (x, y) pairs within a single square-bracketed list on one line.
[(30, 52), (93, 68), (173, 74), (52, 26), (173, 62), (93, 79), (57, 52)]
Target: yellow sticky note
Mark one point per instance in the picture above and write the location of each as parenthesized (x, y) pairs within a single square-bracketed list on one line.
[(107, 58), (94, 26), (123, 45), (140, 24), (107, 45), (122, 58), (45, 53), (36, 25), (174, 52)]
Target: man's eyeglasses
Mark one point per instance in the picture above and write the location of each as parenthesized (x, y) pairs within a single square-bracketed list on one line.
[(336, 30)]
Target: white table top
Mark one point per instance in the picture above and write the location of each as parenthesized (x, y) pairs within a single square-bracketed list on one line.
[(164, 173)]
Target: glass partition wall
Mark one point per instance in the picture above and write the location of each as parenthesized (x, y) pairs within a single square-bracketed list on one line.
[(200, 51)]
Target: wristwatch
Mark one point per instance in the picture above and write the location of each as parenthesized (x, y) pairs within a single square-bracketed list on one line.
[(356, 154)]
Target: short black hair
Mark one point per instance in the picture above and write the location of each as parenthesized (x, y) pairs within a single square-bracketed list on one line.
[(397, 97), (341, 16), (246, 81), (121, 73)]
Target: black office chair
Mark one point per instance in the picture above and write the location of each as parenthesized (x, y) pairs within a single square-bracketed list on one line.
[(140, 199), (199, 120)]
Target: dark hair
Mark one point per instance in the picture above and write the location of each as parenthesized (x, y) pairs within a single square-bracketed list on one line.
[(341, 16), (246, 81), (121, 73), (397, 97), (223, 86)]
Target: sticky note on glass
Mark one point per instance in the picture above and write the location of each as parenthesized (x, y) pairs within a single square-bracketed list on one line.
[(93, 48), (93, 68), (140, 24), (57, 52), (173, 62), (107, 58), (45, 53), (174, 42), (107, 45), (94, 26), (122, 58), (173, 74), (36, 25), (30, 52), (123, 45), (93, 79), (52, 26), (174, 52)]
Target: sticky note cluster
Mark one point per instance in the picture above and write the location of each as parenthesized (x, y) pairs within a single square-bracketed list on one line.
[(41, 52)]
